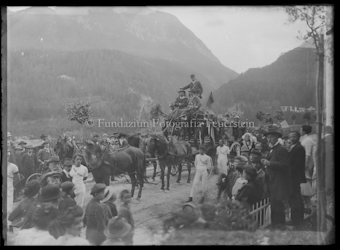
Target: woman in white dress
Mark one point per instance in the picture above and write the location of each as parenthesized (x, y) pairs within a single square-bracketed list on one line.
[(79, 174)]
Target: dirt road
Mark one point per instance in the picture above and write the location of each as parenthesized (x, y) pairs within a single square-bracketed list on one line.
[(155, 204)]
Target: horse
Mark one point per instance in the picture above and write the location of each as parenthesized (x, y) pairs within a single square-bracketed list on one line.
[(129, 160), (64, 149), (136, 141), (169, 154)]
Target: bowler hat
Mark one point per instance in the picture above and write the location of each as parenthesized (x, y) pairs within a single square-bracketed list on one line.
[(97, 188), (49, 192), (54, 158), (67, 186), (255, 152), (121, 135), (273, 130), (32, 188), (68, 162), (117, 227), (45, 142), (109, 192)]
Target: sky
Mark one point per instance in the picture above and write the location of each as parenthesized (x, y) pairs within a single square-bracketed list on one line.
[(241, 37)]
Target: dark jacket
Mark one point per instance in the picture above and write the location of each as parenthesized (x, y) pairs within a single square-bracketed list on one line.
[(297, 164), (66, 202), (280, 185), (262, 180), (195, 87), (181, 102), (249, 193), (95, 219), (44, 156), (17, 216), (65, 178), (112, 207), (29, 163)]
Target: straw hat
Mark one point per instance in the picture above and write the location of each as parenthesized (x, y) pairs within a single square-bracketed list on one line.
[(108, 193), (117, 228)]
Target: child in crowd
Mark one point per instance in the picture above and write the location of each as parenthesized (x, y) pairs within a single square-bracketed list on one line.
[(125, 212)]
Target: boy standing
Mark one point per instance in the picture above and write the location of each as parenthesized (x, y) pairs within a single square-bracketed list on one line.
[(125, 212), (203, 167)]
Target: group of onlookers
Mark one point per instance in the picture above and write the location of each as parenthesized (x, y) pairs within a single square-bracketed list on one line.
[(50, 216), (266, 166)]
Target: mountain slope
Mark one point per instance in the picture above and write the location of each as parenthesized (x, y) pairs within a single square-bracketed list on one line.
[(138, 31), (289, 81)]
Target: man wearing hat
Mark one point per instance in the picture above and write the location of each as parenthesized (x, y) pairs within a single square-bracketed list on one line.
[(262, 178), (203, 164), (95, 138), (194, 86), (31, 191), (29, 161), (67, 199), (49, 194), (117, 228), (96, 216), (53, 164), (181, 102), (52, 177), (122, 140), (65, 174), (280, 185), (44, 155)]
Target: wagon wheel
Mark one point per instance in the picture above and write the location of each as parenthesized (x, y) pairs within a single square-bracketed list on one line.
[(35, 176), (21, 178), (174, 170)]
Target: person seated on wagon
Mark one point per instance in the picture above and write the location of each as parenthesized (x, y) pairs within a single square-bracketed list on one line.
[(194, 86), (181, 102)]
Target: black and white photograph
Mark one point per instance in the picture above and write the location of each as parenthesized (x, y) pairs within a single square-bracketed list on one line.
[(168, 125)]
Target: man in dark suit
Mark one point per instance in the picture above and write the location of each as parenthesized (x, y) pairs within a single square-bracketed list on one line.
[(195, 86), (280, 185), (181, 102), (44, 155), (29, 161), (297, 156)]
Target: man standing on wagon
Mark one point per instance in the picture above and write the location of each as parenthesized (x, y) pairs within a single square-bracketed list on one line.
[(195, 86), (44, 154)]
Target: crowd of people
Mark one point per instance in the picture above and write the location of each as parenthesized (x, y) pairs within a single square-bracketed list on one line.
[(267, 166), (53, 210)]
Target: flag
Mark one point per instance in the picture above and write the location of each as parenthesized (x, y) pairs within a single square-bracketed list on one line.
[(210, 100)]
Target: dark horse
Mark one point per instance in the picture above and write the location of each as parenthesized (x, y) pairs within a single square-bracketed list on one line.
[(169, 154), (64, 149), (128, 160), (136, 141)]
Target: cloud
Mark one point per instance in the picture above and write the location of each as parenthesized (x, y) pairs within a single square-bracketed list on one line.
[(216, 22)]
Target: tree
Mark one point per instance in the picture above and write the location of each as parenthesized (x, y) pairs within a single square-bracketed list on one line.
[(279, 116), (293, 118), (307, 116), (79, 111), (314, 16), (260, 116)]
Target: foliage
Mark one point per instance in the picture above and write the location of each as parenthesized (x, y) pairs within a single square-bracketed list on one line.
[(314, 17), (79, 111), (232, 112), (155, 111), (307, 116), (260, 115), (279, 115)]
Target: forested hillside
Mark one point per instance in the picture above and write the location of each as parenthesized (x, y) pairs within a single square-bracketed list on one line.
[(117, 83), (289, 81)]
